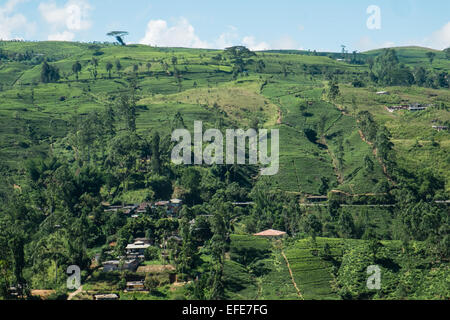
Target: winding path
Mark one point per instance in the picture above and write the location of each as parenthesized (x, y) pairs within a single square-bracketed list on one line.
[(292, 276)]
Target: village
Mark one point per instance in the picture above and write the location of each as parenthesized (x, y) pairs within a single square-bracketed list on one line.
[(139, 262)]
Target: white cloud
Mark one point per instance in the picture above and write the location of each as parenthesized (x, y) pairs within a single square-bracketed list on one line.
[(182, 34), (73, 16), (251, 43), (62, 36), (440, 39), (228, 38), (11, 22)]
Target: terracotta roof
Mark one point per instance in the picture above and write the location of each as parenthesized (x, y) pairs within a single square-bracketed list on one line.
[(270, 233)]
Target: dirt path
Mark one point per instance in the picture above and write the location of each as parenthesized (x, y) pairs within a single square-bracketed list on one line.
[(73, 294), (337, 172), (292, 275), (280, 117)]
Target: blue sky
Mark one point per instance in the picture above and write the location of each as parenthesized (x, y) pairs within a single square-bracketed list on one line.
[(321, 25)]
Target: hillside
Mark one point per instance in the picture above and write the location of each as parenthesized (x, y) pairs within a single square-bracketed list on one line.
[(27, 101), (86, 171)]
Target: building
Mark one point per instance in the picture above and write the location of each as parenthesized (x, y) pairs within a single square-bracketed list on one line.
[(142, 208), (111, 296), (417, 107), (382, 93), (176, 202), (130, 210), (317, 198), (144, 240), (135, 286), (396, 108), (271, 234), (116, 265), (172, 207), (243, 204), (136, 250), (440, 128)]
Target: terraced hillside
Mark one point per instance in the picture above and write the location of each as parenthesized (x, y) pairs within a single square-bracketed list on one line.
[(318, 141)]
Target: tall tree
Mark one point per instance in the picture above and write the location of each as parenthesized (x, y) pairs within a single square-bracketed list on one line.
[(76, 68), (118, 67), (94, 63), (49, 73), (109, 67), (431, 55)]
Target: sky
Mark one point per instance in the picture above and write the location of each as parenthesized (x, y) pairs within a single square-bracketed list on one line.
[(322, 25)]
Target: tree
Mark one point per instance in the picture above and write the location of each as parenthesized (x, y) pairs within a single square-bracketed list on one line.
[(149, 65), (447, 53), (260, 66), (333, 90), (76, 68), (240, 58), (188, 253), (346, 224), (370, 62), (94, 63), (109, 67), (389, 71), (118, 66), (119, 35), (343, 51), (420, 76), (324, 185), (125, 151), (431, 55), (156, 161), (312, 226), (151, 253), (151, 283), (49, 73), (368, 163)]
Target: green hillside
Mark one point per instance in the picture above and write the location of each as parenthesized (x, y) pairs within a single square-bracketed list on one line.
[(85, 165)]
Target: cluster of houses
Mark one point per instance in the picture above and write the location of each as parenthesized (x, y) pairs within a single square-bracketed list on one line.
[(410, 107), (133, 257), (134, 210)]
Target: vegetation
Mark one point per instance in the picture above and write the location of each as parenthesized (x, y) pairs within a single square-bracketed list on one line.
[(87, 127)]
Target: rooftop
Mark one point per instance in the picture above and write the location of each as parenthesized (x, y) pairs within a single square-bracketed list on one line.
[(270, 233)]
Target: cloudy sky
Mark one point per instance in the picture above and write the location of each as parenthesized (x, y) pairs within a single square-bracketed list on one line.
[(322, 25)]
